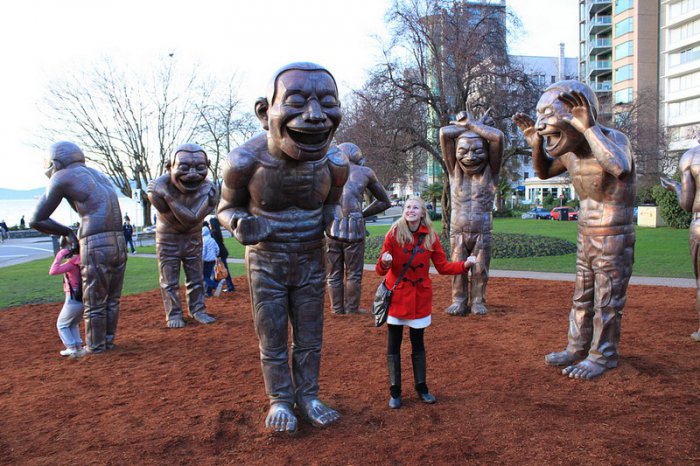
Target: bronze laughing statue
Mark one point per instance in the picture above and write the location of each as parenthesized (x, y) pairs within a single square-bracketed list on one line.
[(689, 199), (183, 198), (281, 191), (102, 246), (347, 260), (602, 171), (473, 151)]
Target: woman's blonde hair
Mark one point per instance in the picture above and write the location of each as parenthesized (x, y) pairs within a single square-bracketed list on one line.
[(402, 232)]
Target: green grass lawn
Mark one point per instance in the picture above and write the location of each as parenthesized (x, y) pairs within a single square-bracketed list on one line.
[(30, 282)]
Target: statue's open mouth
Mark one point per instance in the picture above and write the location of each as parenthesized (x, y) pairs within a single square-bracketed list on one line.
[(552, 140), (309, 138), (191, 183)]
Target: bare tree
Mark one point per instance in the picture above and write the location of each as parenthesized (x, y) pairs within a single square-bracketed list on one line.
[(446, 56), (223, 125), (126, 124)]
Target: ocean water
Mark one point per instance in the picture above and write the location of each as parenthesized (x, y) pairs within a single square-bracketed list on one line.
[(11, 210)]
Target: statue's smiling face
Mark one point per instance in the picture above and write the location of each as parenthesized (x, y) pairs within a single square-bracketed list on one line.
[(558, 134), (304, 114), (189, 170), (471, 154)]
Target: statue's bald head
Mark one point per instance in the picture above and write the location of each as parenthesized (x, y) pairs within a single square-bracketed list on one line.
[(570, 85), (302, 66), (468, 135), (352, 152), (66, 153), (188, 148)]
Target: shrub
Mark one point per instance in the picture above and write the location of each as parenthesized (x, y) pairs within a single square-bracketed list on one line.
[(434, 215), (504, 245), (670, 210), (503, 213)]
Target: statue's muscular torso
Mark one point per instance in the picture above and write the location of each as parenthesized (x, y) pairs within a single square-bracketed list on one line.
[(472, 197), (168, 222)]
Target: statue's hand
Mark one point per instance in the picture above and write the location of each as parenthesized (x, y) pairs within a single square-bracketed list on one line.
[(252, 230), (463, 119), (213, 196), (350, 228), (581, 116), (527, 126)]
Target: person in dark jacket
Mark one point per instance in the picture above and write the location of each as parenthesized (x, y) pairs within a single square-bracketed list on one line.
[(412, 300), (128, 234), (215, 228)]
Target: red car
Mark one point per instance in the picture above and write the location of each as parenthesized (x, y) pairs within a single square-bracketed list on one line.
[(573, 214)]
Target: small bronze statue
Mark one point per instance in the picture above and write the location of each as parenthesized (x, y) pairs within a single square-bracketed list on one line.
[(281, 190), (102, 247), (565, 137), (347, 260), (473, 151), (183, 197), (689, 199)]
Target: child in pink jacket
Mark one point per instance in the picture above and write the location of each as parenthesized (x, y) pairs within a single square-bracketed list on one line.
[(68, 322)]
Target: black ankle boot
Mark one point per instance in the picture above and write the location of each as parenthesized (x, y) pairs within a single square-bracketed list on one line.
[(418, 360), (393, 362)]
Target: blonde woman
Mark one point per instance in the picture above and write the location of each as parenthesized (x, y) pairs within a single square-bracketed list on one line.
[(411, 303)]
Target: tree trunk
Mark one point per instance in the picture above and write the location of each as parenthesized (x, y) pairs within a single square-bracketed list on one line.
[(146, 206)]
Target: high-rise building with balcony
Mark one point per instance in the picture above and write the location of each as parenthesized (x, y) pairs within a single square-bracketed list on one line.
[(680, 73), (595, 51)]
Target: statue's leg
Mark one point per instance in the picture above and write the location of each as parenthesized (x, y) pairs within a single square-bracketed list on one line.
[(169, 259), (116, 281), (460, 283), (612, 268), (194, 279), (581, 314), (306, 300), (480, 273), (266, 274), (93, 260), (695, 255), (354, 254), (334, 277)]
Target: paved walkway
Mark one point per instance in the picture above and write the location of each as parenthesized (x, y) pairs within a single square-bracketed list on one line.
[(16, 251)]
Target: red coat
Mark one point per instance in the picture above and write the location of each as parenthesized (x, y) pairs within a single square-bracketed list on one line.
[(413, 297)]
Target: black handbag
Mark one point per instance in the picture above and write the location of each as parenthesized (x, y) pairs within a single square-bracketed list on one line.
[(382, 298)]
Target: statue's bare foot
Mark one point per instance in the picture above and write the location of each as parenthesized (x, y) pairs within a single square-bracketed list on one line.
[(318, 413), (456, 309), (479, 309), (176, 322), (562, 358), (281, 418), (695, 335), (584, 370), (203, 318)]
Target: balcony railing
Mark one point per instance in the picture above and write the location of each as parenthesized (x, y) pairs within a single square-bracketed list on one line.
[(600, 65), (599, 45), (604, 86), (599, 23), (595, 6)]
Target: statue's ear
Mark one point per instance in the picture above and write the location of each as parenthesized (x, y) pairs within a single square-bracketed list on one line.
[(261, 108)]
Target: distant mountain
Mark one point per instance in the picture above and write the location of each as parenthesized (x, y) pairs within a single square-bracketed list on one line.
[(21, 194)]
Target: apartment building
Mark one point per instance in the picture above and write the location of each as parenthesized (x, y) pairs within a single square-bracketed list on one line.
[(680, 74)]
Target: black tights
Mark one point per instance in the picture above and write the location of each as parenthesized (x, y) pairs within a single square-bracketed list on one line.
[(396, 337)]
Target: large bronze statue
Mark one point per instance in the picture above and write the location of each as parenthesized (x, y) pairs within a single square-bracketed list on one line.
[(689, 199), (565, 137), (281, 191), (473, 151), (102, 248), (183, 197), (347, 260)]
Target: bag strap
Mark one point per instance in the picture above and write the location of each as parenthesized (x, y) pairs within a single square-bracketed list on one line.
[(70, 288), (408, 264)]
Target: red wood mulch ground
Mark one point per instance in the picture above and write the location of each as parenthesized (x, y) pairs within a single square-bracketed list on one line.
[(196, 396)]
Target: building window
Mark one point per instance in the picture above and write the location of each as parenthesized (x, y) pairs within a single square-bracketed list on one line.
[(623, 73), (624, 96), (623, 5), (685, 82), (686, 107), (623, 27), (683, 7), (685, 56), (684, 31), (623, 50), (526, 175)]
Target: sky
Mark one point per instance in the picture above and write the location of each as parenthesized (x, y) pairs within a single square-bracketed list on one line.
[(43, 40)]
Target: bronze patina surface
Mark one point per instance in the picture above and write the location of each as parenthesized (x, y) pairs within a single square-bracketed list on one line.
[(102, 247), (183, 197), (346, 260), (281, 192), (473, 152), (567, 137)]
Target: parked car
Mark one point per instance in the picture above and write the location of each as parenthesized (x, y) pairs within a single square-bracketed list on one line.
[(538, 213), (573, 214)]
